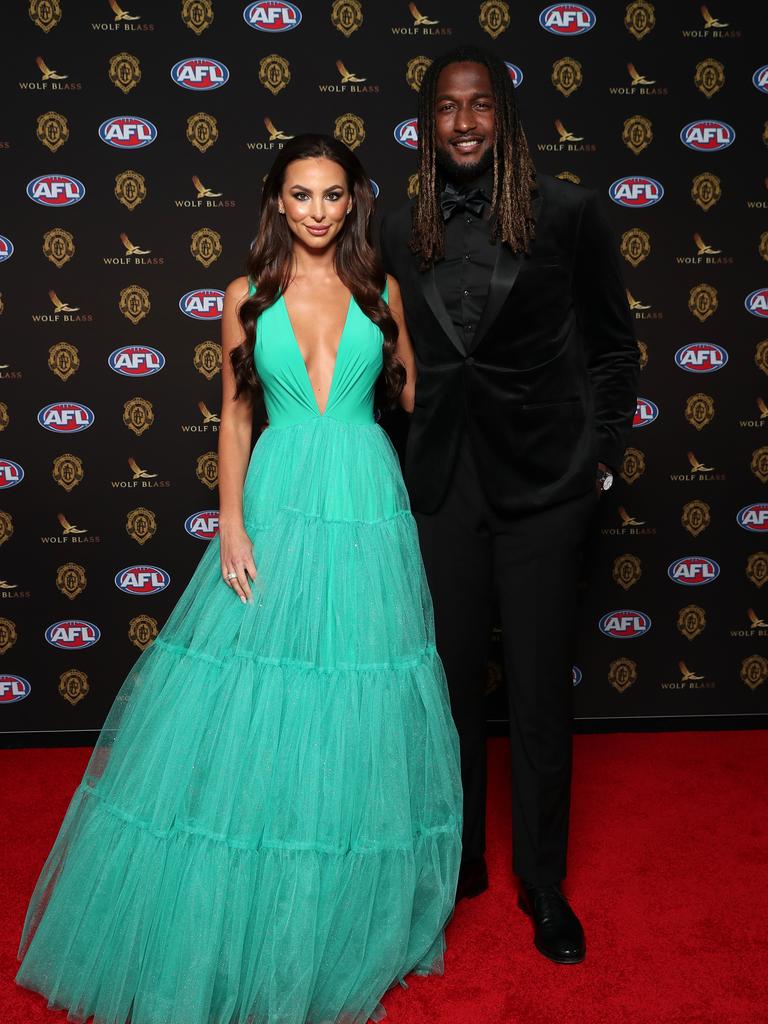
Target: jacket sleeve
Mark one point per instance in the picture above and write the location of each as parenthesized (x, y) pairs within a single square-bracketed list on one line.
[(613, 361)]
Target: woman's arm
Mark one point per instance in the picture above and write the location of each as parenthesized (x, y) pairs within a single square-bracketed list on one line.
[(234, 449), (404, 349)]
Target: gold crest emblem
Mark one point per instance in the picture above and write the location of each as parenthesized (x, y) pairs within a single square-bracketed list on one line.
[(197, 15), (413, 186), (643, 349), (349, 129), (130, 188), (8, 635), (709, 76), (635, 246), (134, 303), (633, 465), (141, 524), (207, 359), (70, 579), (706, 190), (639, 18), (68, 470), (46, 14), (754, 670), (63, 360), (6, 527), (58, 246), (702, 301), (759, 464), (761, 355), (414, 72), (757, 568), (700, 410), (762, 245), (494, 17), (142, 630), (207, 469), (347, 16), (4, 417), (206, 246), (691, 621), (637, 134), (569, 176), (696, 517), (202, 130), (567, 75), (124, 71), (52, 130), (627, 570), (73, 685), (274, 72), (622, 673), (138, 415)]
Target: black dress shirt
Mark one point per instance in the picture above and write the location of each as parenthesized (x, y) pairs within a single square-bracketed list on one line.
[(464, 273)]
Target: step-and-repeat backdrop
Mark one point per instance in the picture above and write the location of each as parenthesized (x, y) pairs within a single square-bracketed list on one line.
[(133, 142)]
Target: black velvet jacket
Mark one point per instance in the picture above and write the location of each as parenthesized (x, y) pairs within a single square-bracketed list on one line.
[(547, 388)]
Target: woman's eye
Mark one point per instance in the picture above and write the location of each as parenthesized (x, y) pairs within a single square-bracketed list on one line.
[(301, 196), (333, 196)]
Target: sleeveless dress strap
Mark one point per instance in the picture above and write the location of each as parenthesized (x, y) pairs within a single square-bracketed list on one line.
[(385, 293)]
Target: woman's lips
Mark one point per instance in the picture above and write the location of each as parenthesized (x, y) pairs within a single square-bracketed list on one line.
[(318, 230)]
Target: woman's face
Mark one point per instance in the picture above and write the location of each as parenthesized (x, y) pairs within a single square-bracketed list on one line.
[(315, 200)]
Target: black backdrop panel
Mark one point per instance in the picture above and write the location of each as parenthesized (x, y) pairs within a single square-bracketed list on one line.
[(132, 150)]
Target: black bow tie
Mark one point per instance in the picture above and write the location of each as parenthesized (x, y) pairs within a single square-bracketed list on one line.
[(453, 199)]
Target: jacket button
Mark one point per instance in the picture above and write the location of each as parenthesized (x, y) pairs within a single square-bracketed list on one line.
[(469, 361)]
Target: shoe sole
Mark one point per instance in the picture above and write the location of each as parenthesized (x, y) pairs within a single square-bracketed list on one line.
[(575, 958)]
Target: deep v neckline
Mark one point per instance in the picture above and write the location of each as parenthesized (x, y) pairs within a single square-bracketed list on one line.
[(303, 362)]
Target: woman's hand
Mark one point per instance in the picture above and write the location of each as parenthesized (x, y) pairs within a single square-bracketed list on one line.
[(237, 557)]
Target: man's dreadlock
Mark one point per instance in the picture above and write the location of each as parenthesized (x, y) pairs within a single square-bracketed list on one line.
[(513, 169)]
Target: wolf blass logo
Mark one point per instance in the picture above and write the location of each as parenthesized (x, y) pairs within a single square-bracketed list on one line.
[(705, 253), (140, 478), (134, 256), (124, 24), (423, 24), (62, 314), (206, 198), (758, 626), (639, 85), (349, 82), (51, 80)]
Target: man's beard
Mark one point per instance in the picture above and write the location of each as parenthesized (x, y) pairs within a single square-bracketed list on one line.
[(462, 174)]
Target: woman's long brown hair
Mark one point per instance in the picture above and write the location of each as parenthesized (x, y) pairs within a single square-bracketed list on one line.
[(270, 262)]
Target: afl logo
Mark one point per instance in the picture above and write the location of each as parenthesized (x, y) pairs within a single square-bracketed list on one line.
[(700, 357), (72, 634), (576, 675), (203, 303), (271, 16), (374, 188), (136, 361), (142, 580), (625, 624), (514, 73), (707, 136), (760, 79), (200, 73), (693, 571), (11, 473), (13, 688), (636, 191), (756, 303), (65, 417), (127, 132), (754, 517), (6, 248), (203, 525), (567, 19), (407, 133), (55, 190), (646, 412)]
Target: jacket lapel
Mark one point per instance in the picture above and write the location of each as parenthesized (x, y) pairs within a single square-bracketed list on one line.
[(504, 274), (436, 304)]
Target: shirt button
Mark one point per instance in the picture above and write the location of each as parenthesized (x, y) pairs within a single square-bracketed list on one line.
[(467, 256), (465, 291), (469, 361), (469, 327), (467, 220)]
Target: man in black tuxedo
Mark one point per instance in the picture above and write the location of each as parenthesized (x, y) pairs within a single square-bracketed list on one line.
[(527, 368)]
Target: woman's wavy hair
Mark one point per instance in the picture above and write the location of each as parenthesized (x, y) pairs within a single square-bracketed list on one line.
[(270, 262)]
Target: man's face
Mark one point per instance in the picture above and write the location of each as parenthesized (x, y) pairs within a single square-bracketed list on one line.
[(465, 119)]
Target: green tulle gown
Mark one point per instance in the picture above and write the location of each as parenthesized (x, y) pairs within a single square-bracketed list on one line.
[(268, 828)]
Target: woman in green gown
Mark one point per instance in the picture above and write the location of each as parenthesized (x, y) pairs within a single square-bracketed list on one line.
[(268, 828)]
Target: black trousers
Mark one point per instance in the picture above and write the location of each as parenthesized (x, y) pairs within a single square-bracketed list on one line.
[(531, 566)]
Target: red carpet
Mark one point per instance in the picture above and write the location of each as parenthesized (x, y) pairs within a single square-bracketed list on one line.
[(669, 851)]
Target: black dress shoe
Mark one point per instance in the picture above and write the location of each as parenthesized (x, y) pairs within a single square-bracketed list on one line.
[(473, 878), (557, 931)]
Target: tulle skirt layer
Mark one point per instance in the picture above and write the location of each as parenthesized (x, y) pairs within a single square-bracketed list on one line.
[(268, 828)]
